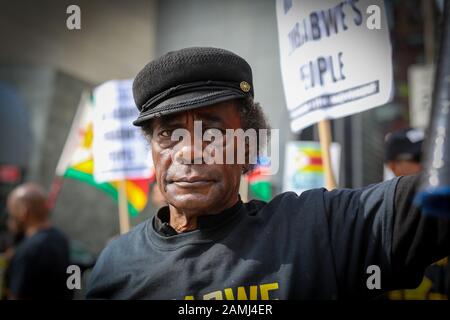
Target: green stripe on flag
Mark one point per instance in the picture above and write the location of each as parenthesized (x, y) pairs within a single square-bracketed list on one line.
[(262, 190), (106, 187)]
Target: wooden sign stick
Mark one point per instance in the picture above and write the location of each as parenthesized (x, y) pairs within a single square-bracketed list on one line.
[(325, 144), (124, 219)]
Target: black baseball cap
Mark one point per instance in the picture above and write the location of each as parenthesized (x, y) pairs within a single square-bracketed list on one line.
[(405, 144), (190, 78)]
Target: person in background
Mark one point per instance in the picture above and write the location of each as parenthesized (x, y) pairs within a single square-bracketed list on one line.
[(403, 151), (37, 269), (402, 156)]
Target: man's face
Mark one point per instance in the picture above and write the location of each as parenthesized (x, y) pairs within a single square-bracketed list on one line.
[(404, 167), (196, 189)]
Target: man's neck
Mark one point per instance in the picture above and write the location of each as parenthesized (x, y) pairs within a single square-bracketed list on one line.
[(184, 221), (32, 229)]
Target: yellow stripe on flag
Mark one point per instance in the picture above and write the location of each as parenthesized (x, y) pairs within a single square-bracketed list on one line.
[(85, 166)]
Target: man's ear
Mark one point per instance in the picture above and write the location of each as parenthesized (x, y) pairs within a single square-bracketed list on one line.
[(248, 162), (246, 166), (251, 158)]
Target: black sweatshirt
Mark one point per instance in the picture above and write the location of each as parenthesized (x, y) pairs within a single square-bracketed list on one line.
[(319, 245)]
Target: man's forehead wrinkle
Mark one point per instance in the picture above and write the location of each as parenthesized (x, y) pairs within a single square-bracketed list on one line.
[(210, 117), (185, 118), (173, 119)]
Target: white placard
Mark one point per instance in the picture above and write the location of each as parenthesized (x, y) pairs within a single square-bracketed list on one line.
[(120, 150), (335, 58)]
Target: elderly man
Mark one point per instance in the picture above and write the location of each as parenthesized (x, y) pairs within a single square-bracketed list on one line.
[(208, 244)]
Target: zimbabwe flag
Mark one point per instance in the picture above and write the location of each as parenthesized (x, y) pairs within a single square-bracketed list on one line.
[(77, 162)]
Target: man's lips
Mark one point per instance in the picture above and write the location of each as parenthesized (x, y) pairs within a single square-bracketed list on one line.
[(191, 182)]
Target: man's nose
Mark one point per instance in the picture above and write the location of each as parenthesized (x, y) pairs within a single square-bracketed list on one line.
[(189, 151)]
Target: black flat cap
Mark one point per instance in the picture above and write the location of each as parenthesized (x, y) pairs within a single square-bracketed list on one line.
[(404, 144), (190, 78)]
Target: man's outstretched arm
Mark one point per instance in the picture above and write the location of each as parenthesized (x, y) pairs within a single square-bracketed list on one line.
[(379, 225), (418, 240)]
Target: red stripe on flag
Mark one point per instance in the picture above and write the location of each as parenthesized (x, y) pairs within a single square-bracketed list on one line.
[(315, 160)]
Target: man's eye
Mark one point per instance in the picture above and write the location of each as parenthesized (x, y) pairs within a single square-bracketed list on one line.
[(165, 133), (214, 131)]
